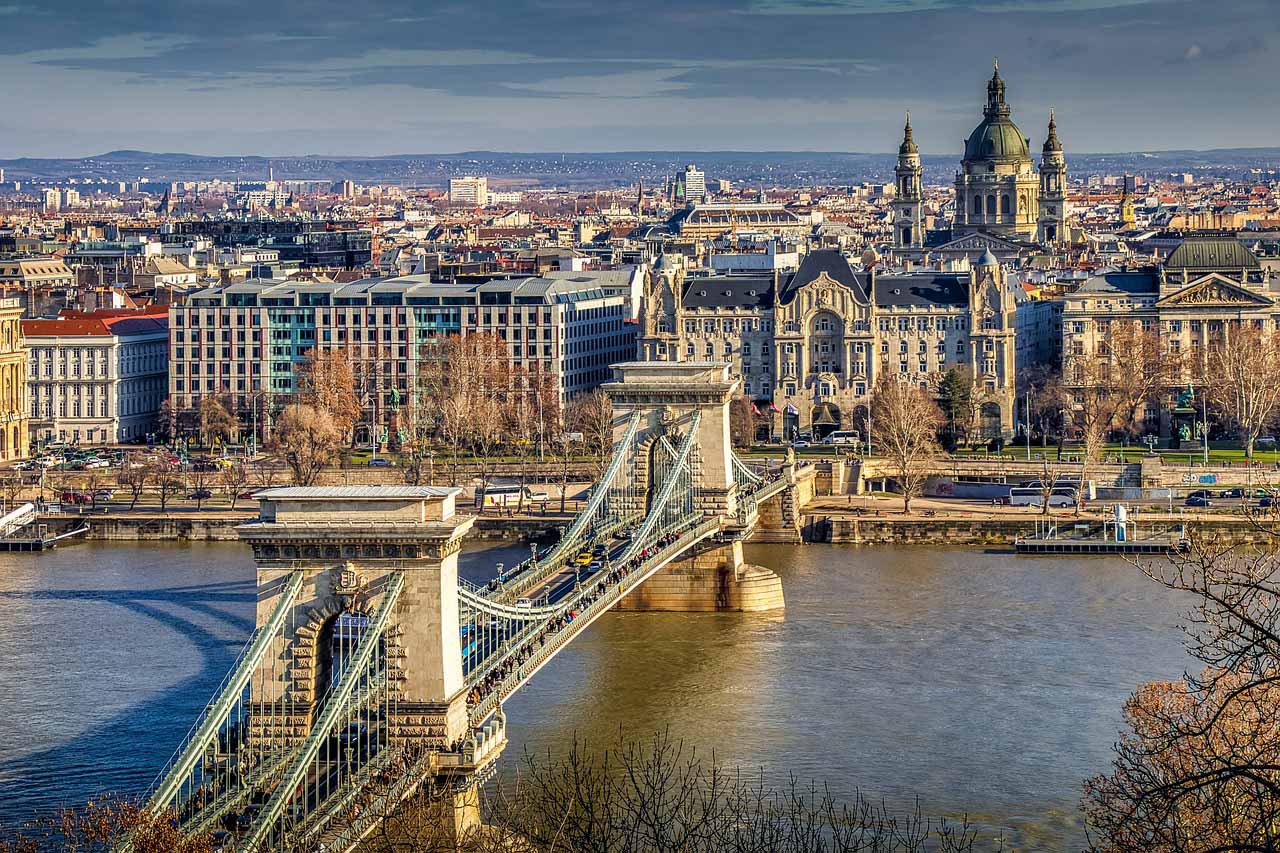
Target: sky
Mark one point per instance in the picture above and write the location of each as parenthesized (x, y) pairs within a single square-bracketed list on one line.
[(370, 77)]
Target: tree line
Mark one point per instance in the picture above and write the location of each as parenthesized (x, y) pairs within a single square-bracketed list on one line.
[(465, 400)]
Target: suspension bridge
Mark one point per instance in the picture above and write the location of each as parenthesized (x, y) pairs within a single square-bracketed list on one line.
[(374, 670)]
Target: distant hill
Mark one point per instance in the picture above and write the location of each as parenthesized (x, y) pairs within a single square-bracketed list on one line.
[(584, 169)]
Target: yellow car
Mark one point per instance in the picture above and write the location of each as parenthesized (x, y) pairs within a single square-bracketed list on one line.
[(583, 559)]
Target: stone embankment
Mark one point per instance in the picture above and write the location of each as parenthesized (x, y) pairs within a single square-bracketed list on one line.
[(944, 530), (216, 526)]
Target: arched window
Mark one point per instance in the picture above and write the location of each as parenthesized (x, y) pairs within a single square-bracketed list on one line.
[(977, 204), (1004, 205), (991, 205)]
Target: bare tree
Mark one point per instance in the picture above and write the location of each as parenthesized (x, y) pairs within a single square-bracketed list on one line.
[(1243, 381), (266, 473), (1107, 386), (234, 477), (134, 475), (743, 419), (327, 381), (592, 415), (660, 796), (1040, 388), (106, 823), (167, 480), (907, 422), (216, 421), (11, 487), (1199, 767), (199, 480), (306, 439)]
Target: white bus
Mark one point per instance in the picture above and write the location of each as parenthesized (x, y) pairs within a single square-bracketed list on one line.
[(1027, 496), (510, 496), (842, 437)]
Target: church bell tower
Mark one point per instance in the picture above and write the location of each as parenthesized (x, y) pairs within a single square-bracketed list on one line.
[(908, 213), (1053, 190)]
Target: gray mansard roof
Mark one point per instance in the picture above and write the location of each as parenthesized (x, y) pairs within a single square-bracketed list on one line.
[(1131, 283), (729, 291), (816, 263), (923, 290)]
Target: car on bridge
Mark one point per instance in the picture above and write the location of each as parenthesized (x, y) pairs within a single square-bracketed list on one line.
[(583, 559)]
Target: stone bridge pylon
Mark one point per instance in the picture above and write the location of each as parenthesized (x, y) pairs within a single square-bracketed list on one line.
[(666, 395)]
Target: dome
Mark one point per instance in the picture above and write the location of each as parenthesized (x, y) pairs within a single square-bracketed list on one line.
[(997, 138), (988, 259)]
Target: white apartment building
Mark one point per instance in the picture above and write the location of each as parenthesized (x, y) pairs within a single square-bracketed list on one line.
[(97, 378), (474, 191)]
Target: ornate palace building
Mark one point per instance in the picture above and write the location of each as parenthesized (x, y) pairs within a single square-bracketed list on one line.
[(1207, 286), (1003, 204), (809, 345)]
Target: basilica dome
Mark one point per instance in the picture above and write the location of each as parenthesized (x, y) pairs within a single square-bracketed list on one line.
[(997, 137)]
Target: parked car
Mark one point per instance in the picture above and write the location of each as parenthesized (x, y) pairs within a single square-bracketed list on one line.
[(800, 444), (1200, 493), (90, 464), (1266, 501), (24, 465), (200, 495), (379, 463), (76, 498), (103, 494), (1198, 500)]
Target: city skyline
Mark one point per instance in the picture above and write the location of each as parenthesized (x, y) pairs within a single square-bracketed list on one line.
[(748, 75)]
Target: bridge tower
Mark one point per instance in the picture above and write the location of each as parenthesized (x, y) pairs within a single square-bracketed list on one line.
[(666, 394), (354, 546)]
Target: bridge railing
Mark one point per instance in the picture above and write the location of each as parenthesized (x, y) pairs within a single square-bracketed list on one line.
[(609, 594), (185, 764), (359, 684)]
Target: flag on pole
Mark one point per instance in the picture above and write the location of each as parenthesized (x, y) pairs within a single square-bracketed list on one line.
[(755, 410), (773, 407), (792, 410)]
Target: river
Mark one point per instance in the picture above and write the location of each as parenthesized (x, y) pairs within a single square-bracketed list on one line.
[(983, 683)]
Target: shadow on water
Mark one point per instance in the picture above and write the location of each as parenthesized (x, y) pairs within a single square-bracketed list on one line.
[(123, 753)]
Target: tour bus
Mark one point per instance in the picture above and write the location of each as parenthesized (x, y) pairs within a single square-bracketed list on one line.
[(842, 437), (1029, 496), (509, 496)]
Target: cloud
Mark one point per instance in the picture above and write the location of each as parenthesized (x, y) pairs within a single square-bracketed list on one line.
[(829, 74), (881, 7)]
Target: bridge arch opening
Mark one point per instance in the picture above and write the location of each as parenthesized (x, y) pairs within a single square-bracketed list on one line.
[(336, 647)]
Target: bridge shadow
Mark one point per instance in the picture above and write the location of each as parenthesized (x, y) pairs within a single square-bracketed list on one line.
[(123, 753)]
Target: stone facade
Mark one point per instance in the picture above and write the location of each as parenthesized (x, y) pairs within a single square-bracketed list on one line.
[(1205, 288), (809, 347), (14, 441)]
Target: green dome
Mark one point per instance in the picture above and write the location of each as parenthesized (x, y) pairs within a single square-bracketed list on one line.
[(997, 138)]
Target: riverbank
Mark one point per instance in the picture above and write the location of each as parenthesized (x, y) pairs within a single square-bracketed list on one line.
[(220, 526), (822, 524), (950, 530)]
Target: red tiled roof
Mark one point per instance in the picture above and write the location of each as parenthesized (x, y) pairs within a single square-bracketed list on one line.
[(108, 321)]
